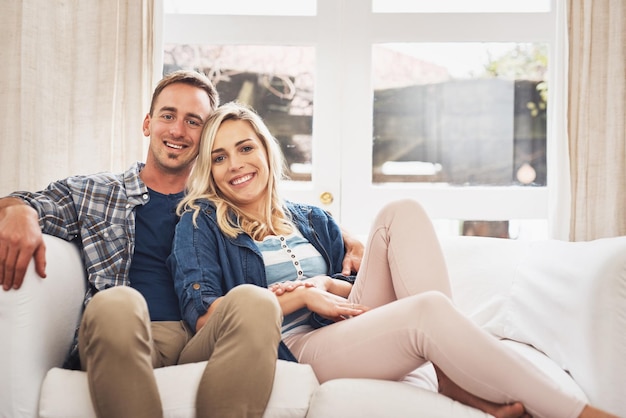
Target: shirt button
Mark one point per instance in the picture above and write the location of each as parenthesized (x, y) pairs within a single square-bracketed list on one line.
[(127, 205), (145, 196), (196, 286)]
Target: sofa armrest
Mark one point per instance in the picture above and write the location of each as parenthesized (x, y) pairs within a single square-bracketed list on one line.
[(37, 324)]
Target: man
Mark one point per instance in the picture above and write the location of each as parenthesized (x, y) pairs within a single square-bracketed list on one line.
[(124, 224)]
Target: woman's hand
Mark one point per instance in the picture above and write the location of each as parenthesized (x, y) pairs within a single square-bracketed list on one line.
[(327, 283), (321, 294), (282, 287), (330, 306)]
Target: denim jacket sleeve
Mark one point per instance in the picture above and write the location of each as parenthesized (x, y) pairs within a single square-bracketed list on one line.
[(195, 270)]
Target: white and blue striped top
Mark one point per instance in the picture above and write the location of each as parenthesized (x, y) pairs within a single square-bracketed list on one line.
[(290, 258)]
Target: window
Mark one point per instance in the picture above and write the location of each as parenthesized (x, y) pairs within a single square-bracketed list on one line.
[(460, 6), (460, 113), (242, 7), (378, 100)]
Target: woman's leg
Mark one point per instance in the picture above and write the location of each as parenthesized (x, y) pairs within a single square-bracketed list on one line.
[(390, 341), (402, 257)]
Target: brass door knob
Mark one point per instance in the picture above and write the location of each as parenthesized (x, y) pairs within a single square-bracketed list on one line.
[(326, 198)]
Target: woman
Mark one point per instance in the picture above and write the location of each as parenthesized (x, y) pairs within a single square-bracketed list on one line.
[(235, 229)]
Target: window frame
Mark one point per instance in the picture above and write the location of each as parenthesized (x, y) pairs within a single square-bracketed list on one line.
[(343, 32)]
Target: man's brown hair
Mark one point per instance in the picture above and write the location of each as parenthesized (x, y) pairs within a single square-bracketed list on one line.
[(191, 78)]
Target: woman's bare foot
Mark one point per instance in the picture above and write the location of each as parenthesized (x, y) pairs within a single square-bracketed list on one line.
[(450, 389), (591, 412)]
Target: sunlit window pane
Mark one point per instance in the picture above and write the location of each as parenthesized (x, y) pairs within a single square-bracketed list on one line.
[(521, 229), (460, 113), (242, 7), (277, 81), (460, 6)]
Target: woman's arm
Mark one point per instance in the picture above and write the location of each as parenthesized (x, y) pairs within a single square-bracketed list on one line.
[(316, 300), (202, 319), (335, 286), (195, 269)]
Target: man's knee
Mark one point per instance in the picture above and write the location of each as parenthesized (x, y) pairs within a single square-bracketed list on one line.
[(254, 304), (117, 301), (117, 321)]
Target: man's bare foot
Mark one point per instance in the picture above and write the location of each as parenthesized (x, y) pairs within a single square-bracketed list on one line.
[(450, 389)]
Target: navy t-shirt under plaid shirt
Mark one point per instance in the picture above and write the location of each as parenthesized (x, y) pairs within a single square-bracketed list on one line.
[(155, 223)]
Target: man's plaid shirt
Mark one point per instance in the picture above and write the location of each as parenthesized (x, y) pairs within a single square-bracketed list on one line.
[(97, 212)]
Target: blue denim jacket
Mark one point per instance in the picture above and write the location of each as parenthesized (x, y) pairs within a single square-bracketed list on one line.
[(206, 264)]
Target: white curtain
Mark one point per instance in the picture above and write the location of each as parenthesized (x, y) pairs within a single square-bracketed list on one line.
[(558, 147), (596, 126), (76, 84)]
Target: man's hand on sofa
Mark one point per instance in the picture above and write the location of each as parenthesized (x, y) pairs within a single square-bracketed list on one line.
[(20, 240), (354, 253)]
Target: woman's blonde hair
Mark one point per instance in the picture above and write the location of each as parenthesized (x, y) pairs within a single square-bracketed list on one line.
[(201, 185)]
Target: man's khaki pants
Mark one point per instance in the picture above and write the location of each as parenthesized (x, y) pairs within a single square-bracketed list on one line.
[(119, 347)]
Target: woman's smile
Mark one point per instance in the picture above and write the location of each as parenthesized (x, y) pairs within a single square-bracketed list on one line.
[(243, 179)]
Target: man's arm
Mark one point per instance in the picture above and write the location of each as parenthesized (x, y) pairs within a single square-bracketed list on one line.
[(354, 253), (20, 240)]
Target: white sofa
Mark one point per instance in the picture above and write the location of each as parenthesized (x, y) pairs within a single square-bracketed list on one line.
[(562, 305)]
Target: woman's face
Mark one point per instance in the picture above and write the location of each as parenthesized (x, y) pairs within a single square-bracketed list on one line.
[(240, 166)]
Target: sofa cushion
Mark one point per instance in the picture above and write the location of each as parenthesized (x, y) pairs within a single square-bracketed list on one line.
[(65, 393), (358, 398)]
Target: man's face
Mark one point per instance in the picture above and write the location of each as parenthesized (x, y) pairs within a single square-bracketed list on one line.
[(175, 127)]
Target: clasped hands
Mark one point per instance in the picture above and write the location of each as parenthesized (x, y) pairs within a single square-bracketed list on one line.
[(323, 295)]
